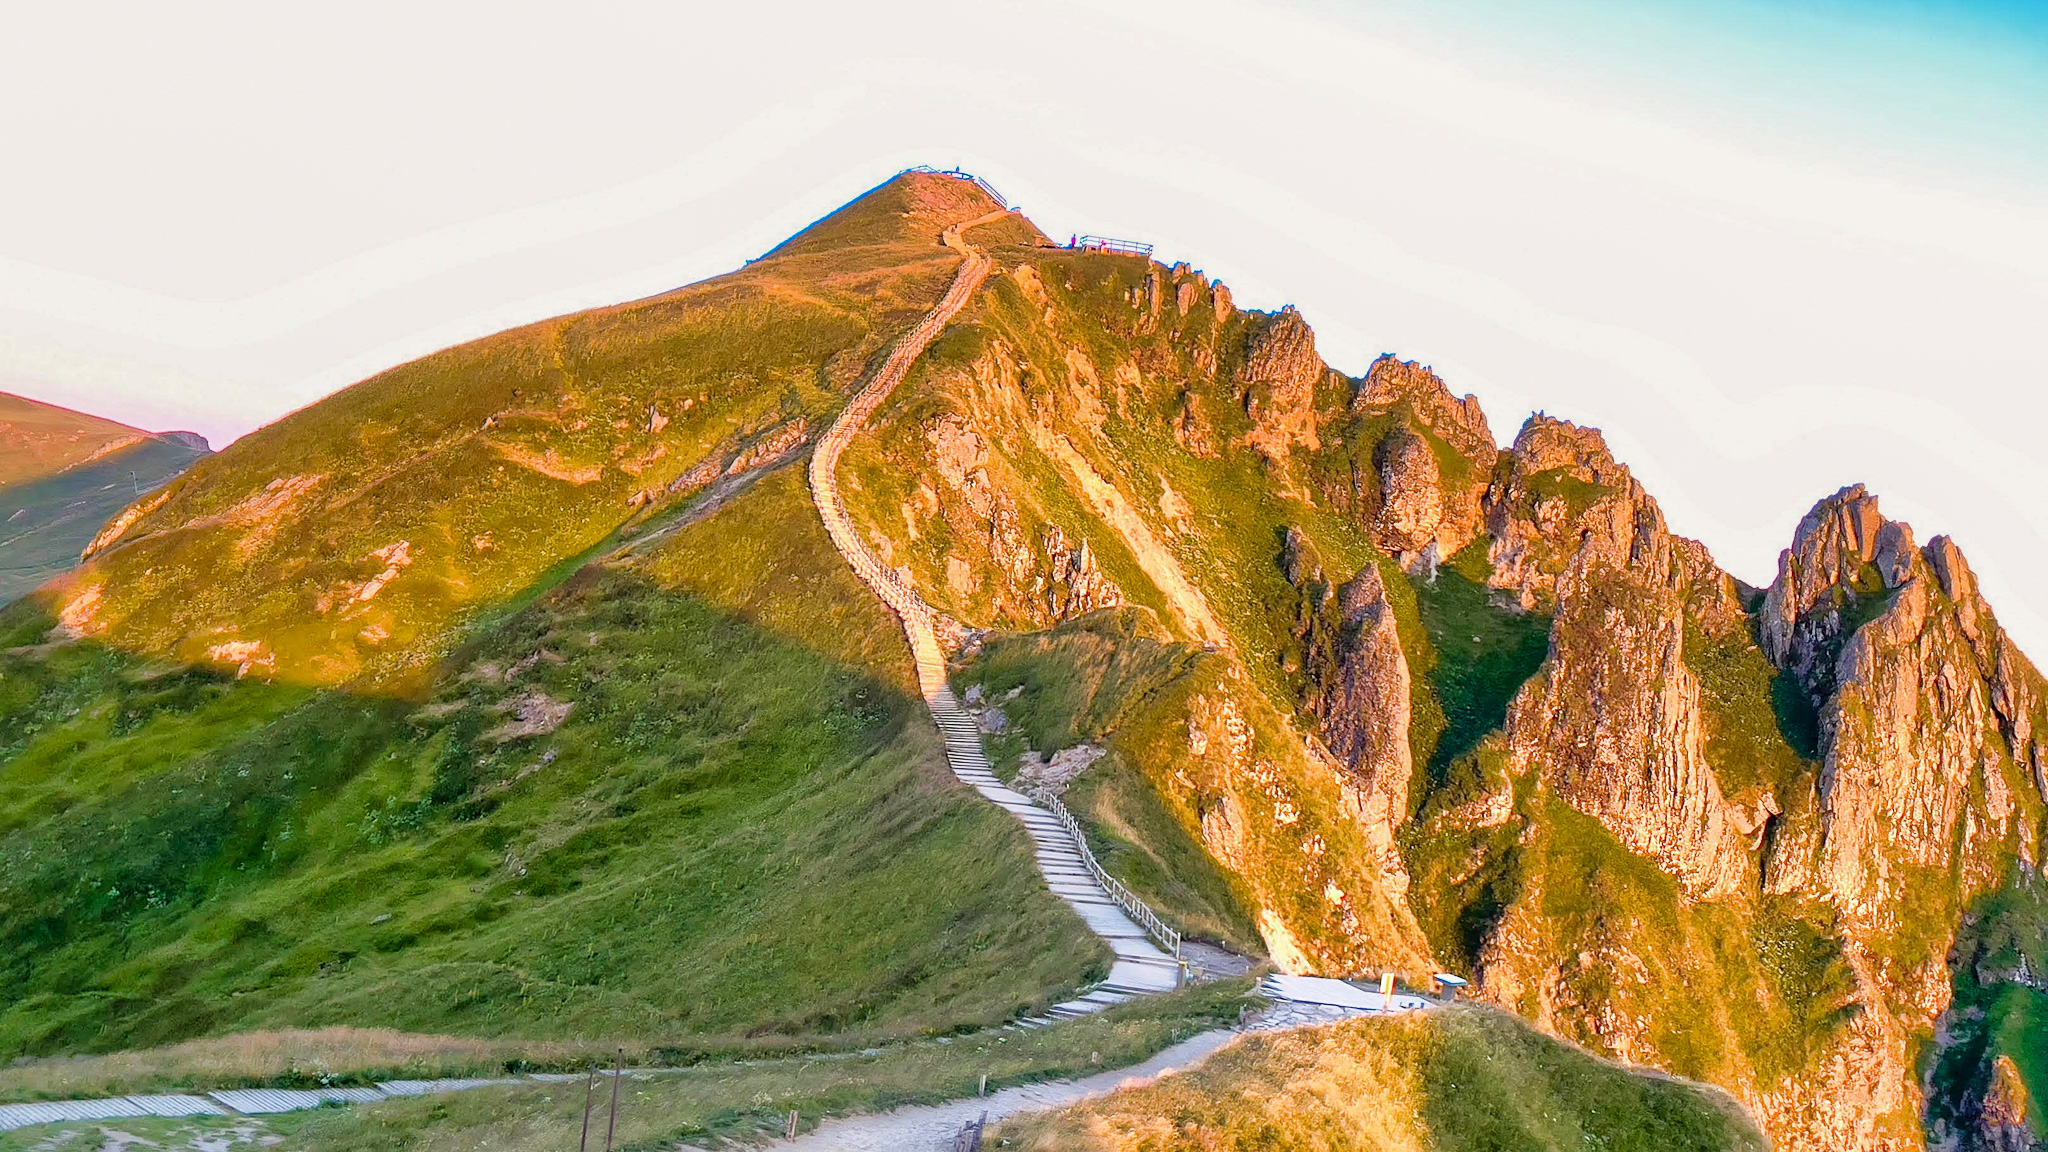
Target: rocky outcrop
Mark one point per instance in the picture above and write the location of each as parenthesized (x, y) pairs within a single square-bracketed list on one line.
[(1459, 421), (1058, 579), (1614, 726), (1561, 496), (1278, 380), (2002, 1125), (1927, 714), (1074, 584), (1359, 689), (1844, 554), (1365, 702), (1270, 812), (1858, 1095), (1431, 469)]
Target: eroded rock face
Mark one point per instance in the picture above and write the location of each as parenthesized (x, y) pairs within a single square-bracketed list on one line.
[(1364, 702), (1559, 497), (1614, 726), (1927, 713), (1279, 376), (1458, 420), (2002, 1125), (1843, 553), (1858, 1096), (1057, 579), (1418, 503)]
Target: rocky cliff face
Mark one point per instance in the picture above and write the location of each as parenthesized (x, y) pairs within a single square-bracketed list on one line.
[(1615, 727), (1359, 689), (1431, 468), (1561, 498), (1928, 788), (1278, 380), (1927, 713), (2003, 1126), (1795, 851), (1614, 724)]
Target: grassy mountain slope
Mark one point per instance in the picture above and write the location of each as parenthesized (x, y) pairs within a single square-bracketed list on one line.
[(39, 440), (517, 692), (1034, 467), (1999, 1014), (539, 637), (63, 475), (344, 544), (633, 809), (1464, 1080), (1100, 432)]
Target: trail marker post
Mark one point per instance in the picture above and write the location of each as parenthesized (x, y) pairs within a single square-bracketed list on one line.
[(589, 1097), (612, 1125)]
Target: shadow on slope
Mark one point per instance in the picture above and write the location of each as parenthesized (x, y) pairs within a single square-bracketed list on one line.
[(1999, 1017), (45, 523), (666, 802)]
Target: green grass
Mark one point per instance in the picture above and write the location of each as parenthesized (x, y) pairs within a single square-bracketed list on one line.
[(39, 440), (1578, 899), (1081, 682), (495, 461), (717, 849), (298, 1058), (740, 1101), (1465, 878), (1993, 1014), (1484, 653), (1134, 834), (1458, 1080)]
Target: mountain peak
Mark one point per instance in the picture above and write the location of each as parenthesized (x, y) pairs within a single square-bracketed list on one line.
[(910, 208)]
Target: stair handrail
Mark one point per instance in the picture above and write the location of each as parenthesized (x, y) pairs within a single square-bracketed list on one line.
[(1124, 897)]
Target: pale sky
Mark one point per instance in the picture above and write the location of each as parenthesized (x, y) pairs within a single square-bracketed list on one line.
[(1769, 249)]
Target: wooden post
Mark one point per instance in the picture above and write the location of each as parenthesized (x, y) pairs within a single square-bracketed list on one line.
[(612, 1125), (589, 1097), (789, 1129)]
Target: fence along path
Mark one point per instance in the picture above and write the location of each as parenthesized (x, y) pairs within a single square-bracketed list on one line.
[(1110, 911)]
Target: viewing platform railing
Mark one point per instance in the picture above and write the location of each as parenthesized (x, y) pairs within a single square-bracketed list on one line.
[(970, 177), (1108, 244)]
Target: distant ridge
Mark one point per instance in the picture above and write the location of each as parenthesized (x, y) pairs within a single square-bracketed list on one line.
[(63, 474)]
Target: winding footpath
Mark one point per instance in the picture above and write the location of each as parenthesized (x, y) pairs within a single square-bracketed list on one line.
[(1141, 966)]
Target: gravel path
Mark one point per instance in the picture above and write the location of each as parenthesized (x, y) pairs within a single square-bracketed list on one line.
[(934, 1126)]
